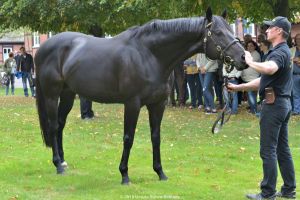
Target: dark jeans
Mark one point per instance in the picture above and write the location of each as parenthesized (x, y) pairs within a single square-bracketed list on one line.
[(274, 147), (208, 91), (11, 81), (296, 94), (219, 89), (27, 76), (252, 101), (86, 108), (235, 103), (195, 89)]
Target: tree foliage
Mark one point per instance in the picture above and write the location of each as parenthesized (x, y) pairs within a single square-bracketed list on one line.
[(113, 16)]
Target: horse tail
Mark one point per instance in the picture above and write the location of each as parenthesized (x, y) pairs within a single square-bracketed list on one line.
[(43, 117)]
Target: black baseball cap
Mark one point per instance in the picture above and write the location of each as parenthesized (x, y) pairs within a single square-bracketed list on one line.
[(281, 22)]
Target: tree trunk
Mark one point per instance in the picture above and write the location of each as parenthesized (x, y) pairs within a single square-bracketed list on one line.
[(281, 8)]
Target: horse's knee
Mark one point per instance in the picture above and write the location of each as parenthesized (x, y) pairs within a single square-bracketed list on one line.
[(123, 169)]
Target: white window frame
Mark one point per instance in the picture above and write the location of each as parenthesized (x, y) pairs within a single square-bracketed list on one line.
[(5, 54), (36, 39), (50, 34)]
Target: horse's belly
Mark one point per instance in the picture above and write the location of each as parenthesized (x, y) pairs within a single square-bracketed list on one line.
[(157, 95)]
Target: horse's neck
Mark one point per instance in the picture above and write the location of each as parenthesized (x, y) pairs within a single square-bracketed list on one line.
[(171, 49)]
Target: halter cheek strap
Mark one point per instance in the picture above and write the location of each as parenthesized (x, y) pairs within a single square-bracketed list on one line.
[(226, 59)]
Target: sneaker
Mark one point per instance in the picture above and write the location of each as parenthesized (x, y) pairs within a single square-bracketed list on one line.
[(87, 118), (257, 115), (214, 111), (200, 107), (191, 107), (295, 113), (291, 195), (260, 197), (207, 111)]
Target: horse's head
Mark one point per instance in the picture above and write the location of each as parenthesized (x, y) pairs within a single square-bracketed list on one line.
[(220, 43)]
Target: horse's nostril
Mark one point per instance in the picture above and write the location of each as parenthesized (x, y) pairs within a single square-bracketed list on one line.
[(243, 57)]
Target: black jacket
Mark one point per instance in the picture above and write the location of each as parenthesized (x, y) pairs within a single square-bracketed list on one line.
[(26, 63)]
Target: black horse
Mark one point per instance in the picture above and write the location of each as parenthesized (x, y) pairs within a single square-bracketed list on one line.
[(131, 68)]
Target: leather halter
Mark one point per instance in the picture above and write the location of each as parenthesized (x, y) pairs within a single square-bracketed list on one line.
[(227, 60)]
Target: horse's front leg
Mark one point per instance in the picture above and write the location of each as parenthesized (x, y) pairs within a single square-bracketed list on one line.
[(156, 112), (131, 113)]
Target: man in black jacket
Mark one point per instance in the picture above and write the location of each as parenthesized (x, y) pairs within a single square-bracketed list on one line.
[(26, 66)]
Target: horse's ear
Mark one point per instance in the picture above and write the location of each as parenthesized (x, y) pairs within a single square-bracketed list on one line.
[(209, 14), (224, 13)]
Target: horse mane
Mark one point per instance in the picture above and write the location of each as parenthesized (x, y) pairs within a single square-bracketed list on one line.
[(179, 25)]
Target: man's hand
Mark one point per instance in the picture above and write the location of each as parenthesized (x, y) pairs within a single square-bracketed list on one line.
[(202, 70), (233, 87), (248, 57), (296, 60)]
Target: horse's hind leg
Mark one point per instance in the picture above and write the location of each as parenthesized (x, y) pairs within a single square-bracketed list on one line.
[(155, 116), (132, 110), (65, 105), (52, 111)]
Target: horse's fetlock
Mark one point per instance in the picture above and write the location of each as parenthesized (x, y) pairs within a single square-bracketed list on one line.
[(123, 169), (157, 168)]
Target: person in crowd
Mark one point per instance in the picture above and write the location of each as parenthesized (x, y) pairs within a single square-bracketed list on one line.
[(295, 51), (261, 37), (219, 84), (10, 66), (242, 96), (264, 49), (17, 55), (26, 66), (186, 93), (250, 74), (233, 77), (193, 80), (247, 38), (178, 86), (208, 69), (275, 86)]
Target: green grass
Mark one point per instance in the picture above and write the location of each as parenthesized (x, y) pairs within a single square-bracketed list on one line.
[(199, 165)]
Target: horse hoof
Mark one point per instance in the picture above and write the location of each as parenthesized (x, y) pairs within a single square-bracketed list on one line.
[(125, 181), (163, 177), (60, 170)]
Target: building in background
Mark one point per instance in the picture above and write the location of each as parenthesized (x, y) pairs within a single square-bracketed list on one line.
[(33, 40), (10, 42)]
